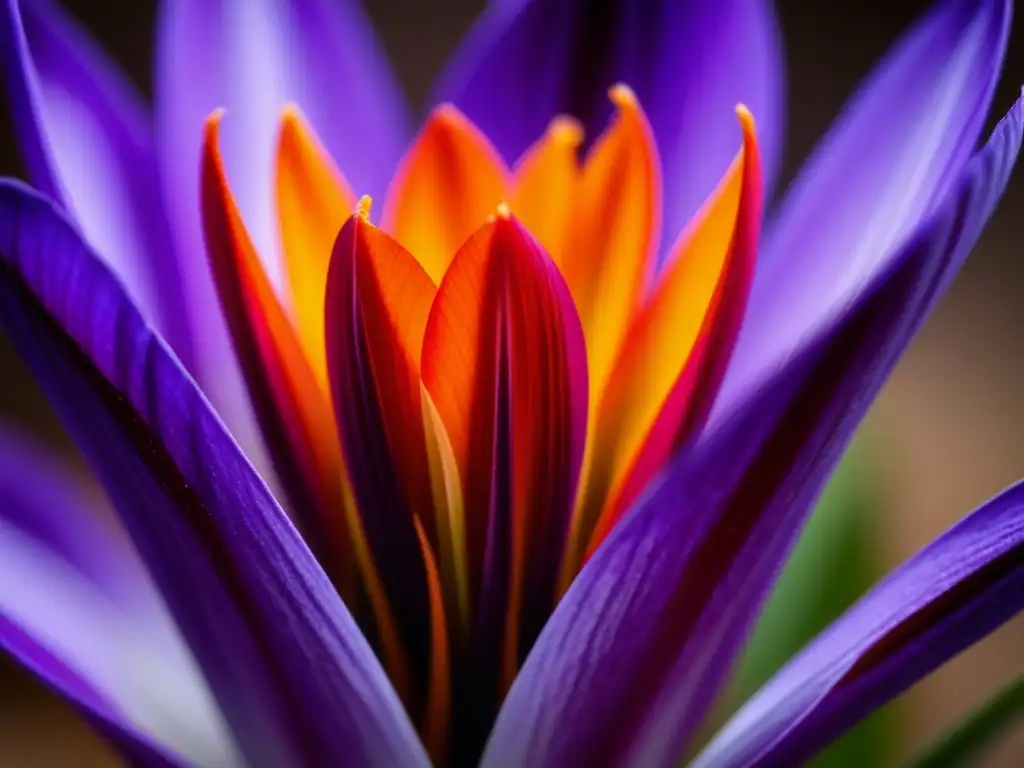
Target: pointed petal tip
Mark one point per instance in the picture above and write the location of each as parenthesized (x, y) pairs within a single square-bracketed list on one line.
[(211, 125), (566, 130), (746, 118), (211, 157), (622, 96), (445, 187), (292, 125), (446, 115), (716, 54), (627, 106), (295, 135)]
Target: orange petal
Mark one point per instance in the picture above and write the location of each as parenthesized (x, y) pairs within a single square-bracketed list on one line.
[(664, 382), (378, 299), (294, 411), (447, 185), (613, 237), (545, 185), (505, 366), (437, 720), (313, 201)]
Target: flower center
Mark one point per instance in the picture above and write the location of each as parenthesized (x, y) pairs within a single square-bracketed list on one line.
[(463, 402)]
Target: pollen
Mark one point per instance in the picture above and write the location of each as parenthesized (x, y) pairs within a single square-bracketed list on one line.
[(363, 208)]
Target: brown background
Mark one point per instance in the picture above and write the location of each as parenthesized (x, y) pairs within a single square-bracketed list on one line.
[(948, 430)]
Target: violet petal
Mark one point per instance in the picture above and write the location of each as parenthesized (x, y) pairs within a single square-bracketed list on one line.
[(74, 599), (951, 594), (891, 158), (296, 680), (86, 141), (135, 747), (641, 643), (251, 59), (689, 63)]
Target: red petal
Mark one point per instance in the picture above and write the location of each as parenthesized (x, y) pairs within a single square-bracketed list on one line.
[(505, 365), (293, 411), (378, 298), (669, 372)]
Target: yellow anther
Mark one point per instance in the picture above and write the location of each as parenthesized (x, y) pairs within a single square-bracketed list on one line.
[(363, 208)]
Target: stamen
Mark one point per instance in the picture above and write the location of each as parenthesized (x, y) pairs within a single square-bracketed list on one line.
[(363, 208)]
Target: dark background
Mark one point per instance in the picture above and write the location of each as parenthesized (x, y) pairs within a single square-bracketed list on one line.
[(947, 432)]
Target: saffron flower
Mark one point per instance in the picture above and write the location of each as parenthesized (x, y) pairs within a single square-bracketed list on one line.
[(545, 433)]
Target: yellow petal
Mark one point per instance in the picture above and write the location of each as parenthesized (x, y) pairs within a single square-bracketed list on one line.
[(447, 185), (614, 232), (545, 185), (313, 201), (664, 380)]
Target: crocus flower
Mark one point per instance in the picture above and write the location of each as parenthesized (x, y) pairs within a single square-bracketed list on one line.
[(544, 433)]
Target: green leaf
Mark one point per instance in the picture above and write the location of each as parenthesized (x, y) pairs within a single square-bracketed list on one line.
[(832, 565), (965, 743)]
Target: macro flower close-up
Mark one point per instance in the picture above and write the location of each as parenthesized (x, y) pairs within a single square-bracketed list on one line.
[(480, 439)]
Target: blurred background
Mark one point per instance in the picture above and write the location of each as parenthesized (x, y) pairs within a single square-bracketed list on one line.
[(947, 432)]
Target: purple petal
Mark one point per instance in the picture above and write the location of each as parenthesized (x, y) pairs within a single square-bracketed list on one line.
[(44, 502), (689, 62), (77, 609), (953, 593), (297, 682), (891, 158), (86, 143), (135, 747), (253, 58), (639, 646), (374, 383), (505, 364)]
